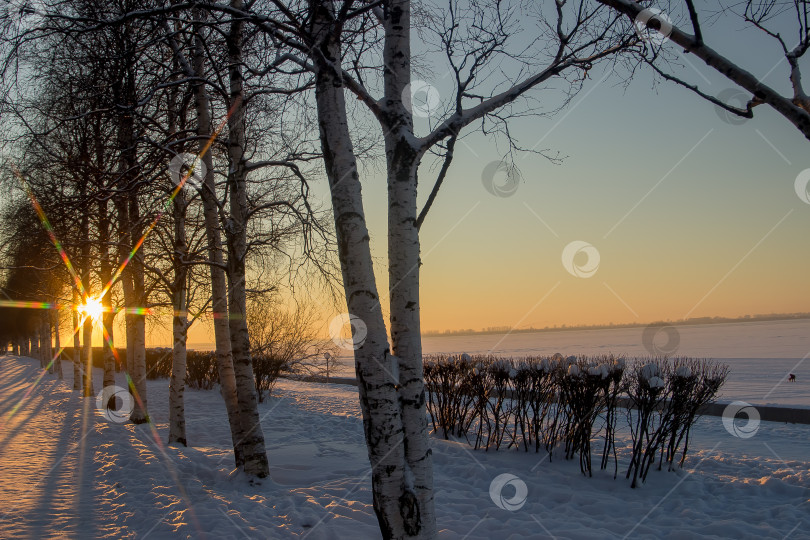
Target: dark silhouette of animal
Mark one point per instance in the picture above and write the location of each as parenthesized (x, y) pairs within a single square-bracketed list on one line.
[(792, 378)]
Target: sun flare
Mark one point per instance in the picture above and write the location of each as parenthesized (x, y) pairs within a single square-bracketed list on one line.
[(92, 308)]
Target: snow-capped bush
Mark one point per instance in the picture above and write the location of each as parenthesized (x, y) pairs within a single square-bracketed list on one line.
[(554, 402), (448, 385), (648, 371), (667, 395), (655, 382), (683, 371), (600, 370)]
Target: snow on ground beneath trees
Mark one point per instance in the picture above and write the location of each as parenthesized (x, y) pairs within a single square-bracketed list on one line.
[(69, 473)]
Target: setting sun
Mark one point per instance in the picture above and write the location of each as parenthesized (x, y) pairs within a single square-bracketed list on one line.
[(92, 308)]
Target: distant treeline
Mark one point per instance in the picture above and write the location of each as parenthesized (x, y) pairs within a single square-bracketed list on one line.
[(682, 322)]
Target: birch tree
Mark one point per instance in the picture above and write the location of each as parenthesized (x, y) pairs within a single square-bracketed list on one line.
[(279, 207), (54, 314), (183, 239), (253, 449), (283, 205), (180, 324), (46, 343), (77, 344), (194, 70)]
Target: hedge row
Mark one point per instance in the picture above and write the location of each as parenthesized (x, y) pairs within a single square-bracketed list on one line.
[(201, 366), (562, 404)]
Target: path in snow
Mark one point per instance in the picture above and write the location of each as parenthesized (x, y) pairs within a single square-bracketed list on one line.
[(66, 472)]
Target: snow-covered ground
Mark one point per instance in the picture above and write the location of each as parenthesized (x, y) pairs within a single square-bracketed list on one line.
[(761, 354), (66, 472)]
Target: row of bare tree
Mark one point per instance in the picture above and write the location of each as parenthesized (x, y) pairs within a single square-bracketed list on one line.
[(137, 136)]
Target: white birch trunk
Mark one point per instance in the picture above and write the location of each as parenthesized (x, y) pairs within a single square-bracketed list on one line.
[(177, 384), (77, 345), (393, 502), (124, 245), (406, 341), (253, 447), (140, 414), (45, 341), (105, 274), (109, 342), (35, 349), (87, 357), (57, 343), (403, 261), (87, 323), (219, 293), (126, 204), (129, 329), (179, 291)]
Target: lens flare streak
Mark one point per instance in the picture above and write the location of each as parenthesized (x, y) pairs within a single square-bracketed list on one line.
[(167, 204), (46, 224), (28, 305)]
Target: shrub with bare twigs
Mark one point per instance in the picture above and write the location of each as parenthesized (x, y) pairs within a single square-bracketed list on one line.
[(285, 342), (565, 403)]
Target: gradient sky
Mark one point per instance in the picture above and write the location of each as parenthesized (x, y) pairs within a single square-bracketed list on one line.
[(691, 216)]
